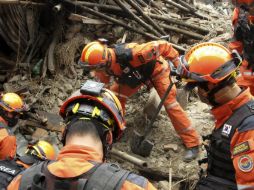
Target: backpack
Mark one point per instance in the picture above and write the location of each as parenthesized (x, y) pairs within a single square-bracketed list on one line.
[(132, 76), (101, 177)]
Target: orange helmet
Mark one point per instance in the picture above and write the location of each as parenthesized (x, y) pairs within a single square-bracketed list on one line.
[(95, 55), (42, 150), (102, 105), (208, 62), (12, 102)]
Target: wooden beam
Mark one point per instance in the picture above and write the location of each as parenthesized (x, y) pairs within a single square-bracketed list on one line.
[(8, 2)]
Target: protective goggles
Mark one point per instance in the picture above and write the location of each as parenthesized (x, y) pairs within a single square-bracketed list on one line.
[(10, 109), (33, 150), (218, 75), (86, 66)]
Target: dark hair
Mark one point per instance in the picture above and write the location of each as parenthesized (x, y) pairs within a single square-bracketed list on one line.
[(82, 127)]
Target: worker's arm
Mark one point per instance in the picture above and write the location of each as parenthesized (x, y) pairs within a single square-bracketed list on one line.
[(14, 185), (167, 51), (153, 50), (7, 144), (135, 182), (235, 44), (242, 150)]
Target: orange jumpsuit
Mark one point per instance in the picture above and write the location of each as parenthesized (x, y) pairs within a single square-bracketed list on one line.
[(241, 146), (73, 160), (7, 142), (247, 74), (155, 50)]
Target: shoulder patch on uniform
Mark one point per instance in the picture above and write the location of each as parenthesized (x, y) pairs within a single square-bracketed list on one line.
[(240, 148), (245, 163), (8, 170), (226, 130)]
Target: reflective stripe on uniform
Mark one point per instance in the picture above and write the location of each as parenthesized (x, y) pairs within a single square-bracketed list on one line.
[(155, 44), (171, 105), (184, 130), (247, 73), (157, 75), (156, 48), (175, 59), (242, 187)]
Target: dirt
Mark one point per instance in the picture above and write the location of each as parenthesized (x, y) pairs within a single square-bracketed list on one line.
[(164, 134)]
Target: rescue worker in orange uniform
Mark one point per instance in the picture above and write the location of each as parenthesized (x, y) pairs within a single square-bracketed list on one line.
[(134, 65), (35, 154), (94, 120), (213, 68), (11, 106), (243, 23)]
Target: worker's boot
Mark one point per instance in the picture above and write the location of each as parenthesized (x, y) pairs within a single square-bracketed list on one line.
[(191, 154)]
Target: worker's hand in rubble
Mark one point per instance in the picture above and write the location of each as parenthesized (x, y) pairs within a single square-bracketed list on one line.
[(27, 113)]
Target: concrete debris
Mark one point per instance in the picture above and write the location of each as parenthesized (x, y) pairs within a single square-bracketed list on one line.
[(163, 185), (39, 133), (168, 147)]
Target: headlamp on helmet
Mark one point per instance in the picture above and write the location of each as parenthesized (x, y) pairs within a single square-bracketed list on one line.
[(96, 103)]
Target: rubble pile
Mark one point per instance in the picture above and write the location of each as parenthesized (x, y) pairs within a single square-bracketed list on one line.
[(40, 48), (50, 34)]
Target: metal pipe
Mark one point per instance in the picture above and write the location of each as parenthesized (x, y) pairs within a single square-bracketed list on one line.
[(57, 8), (129, 158)]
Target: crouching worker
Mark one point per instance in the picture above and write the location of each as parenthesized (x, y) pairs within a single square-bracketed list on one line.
[(35, 154), (94, 120), (11, 108), (212, 68), (133, 65)]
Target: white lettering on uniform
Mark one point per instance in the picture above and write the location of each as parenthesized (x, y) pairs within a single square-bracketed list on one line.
[(248, 73), (7, 170)]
